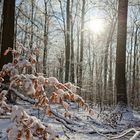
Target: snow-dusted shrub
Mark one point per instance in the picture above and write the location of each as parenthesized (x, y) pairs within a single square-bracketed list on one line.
[(28, 127), (33, 86)]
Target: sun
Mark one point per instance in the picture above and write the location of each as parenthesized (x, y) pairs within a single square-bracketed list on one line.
[(96, 25)]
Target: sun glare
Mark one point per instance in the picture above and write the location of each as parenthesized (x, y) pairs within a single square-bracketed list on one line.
[(96, 25)]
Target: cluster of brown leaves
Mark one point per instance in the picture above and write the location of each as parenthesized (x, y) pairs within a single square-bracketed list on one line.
[(26, 61), (61, 95), (4, 107), (33, 86), (28, 127)]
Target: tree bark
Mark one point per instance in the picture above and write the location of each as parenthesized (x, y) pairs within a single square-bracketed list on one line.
[(72, 75), (7, 38), (78, 57), (121, 52), (67, 49), (82, 43), (45, 39), (134, 67), (7, 31), (32, 29)]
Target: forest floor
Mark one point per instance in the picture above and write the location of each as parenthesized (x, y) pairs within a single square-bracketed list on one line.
[(66, 134)]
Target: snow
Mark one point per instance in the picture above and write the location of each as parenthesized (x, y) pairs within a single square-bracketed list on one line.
[(67, 119), (58, 127), (30, 126), (63, 113), (52, 81), (4, 123)]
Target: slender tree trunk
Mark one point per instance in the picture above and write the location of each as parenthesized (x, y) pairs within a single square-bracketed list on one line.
[(29, 70), (61, 70), (72, 75), (77, 57), (121, 52), (45, 39), (105, 72), (130, 63), (89, 57), (134, 67), (25, 35), (99, 71), (16, 22), (82, 43), (67, 49), (137, 97), (32, 29), (110, 82)]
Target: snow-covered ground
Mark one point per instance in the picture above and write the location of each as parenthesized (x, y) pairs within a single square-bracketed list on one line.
[(63, 133), (4, 123), (59, 128)]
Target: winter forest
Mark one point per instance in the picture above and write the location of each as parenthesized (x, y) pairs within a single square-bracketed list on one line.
[(69, 69)]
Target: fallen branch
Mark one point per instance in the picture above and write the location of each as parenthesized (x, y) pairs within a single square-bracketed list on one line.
[(72, 128), (65, 133), (4, 117), (63, 118), (21, 96), (93, 121), (136, 130)]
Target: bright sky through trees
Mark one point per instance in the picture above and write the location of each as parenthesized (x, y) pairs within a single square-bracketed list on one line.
[(96, 25)]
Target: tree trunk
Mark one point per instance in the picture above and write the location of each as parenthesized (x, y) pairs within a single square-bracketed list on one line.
[(110, 82), (77, 57), (45, 39), (7, 38), (72, 75), (121, 52), (16, 23), (8, 31), (130, 64), (61, 69), (82, 43), (67, 49), (29, 70), (32, 29), (1, 21), (134, 67)]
